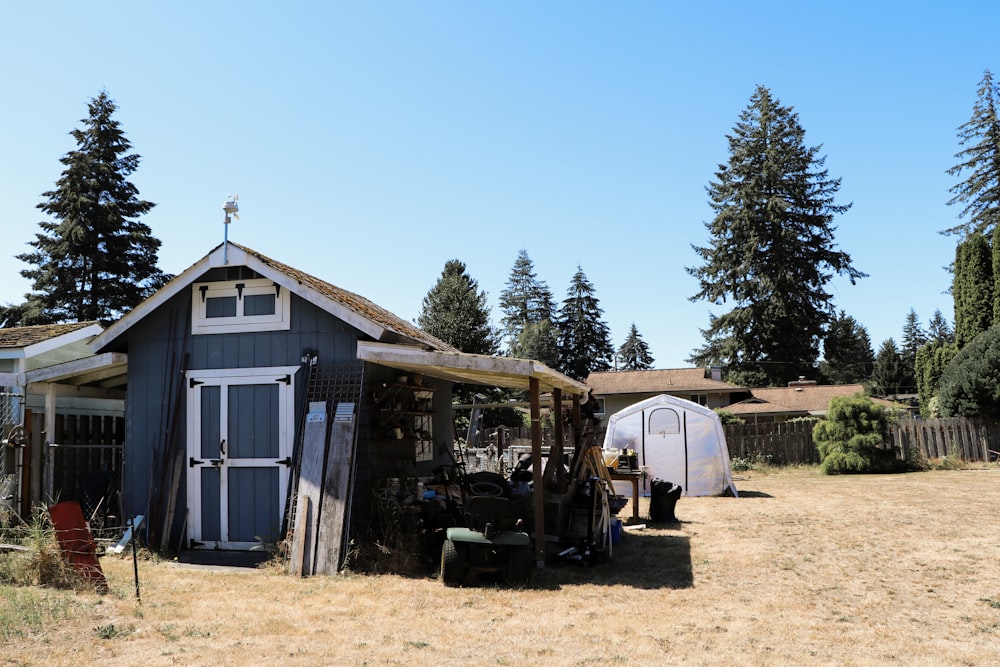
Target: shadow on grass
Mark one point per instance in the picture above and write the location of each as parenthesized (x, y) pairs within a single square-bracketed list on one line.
[(648, 560), (755, 494)]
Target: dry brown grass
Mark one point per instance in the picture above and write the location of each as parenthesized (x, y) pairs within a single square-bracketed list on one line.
[(805, 569)]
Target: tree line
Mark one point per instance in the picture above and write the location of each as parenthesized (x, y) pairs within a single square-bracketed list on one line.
[(768, 261)]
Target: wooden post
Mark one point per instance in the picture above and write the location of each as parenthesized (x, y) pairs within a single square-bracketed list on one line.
[(50, 435), (536, 472), (557, 437)]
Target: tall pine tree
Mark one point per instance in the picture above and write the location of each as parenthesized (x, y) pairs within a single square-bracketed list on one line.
[(914, 338), (456, 311), (538, 341), (634, 354), (772, 249), (524, 301), (847, 351), (938, 329), (96, 261), (979, 162), (887, 375), (584, 338), (972, 288)]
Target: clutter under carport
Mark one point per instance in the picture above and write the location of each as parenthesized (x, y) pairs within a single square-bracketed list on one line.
[(478, 526)]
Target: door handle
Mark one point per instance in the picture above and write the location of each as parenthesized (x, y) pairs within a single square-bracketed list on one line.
[(222, 447)]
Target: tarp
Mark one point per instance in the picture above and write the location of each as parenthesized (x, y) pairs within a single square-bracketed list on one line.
[(674, 440)]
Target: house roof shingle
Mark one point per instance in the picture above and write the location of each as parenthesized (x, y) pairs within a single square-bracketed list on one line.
[(354, 302), (353, 308), (689, 380), (19, 337), (805, 398)]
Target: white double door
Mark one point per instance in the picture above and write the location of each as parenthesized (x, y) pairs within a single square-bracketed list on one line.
[(240, 430)]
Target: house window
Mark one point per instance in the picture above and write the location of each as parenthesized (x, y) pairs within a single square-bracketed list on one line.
[(600, 406), (700, 399), (239, 305)]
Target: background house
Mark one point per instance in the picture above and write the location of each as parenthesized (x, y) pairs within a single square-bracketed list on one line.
[(801, 398), (617, 390)]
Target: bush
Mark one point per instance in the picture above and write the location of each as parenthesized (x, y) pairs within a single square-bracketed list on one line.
[(850, 439), (970, 384)]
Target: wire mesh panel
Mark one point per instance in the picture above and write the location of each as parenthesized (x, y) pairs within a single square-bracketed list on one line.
[(332, 384), (11, 441)]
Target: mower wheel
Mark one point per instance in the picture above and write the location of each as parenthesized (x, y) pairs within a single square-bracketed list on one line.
[(452, 563)]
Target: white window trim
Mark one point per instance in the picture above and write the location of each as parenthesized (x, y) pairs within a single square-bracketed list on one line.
[(280, 320)]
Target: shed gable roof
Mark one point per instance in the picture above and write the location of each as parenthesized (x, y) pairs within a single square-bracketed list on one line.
[(352, 308)]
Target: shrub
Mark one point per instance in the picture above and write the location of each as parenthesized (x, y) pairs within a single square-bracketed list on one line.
[(850, 439), (970, 384)]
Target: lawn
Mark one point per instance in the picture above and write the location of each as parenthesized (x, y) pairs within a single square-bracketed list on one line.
[(803, 569)]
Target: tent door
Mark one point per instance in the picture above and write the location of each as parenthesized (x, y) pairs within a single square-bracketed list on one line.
[(665, 445), (240, 426)]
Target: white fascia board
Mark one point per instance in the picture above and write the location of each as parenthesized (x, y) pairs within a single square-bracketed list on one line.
[(164, 294), (68, 369), (233, 256), (63, 340)]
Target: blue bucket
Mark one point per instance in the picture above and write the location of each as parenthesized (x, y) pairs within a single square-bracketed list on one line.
[(616, 531)]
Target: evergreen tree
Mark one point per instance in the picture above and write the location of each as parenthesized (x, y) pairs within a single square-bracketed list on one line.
[(634, 355), (938, 329), (847, 351), (772, 251), (525, 300), (584, 339), (538, 341), (972, 288), (969, 386), (850, 439), (932, 359), (995, 253), (914, 338), (96, 261), (979, 193), (456, 311), (887, 375)]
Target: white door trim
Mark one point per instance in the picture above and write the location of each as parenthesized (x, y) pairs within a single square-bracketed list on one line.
[(223, 378)]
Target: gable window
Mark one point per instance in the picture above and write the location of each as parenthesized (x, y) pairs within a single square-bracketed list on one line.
[(239, 305)]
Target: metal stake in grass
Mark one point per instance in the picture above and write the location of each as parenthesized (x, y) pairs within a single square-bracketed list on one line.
[(135, 558)]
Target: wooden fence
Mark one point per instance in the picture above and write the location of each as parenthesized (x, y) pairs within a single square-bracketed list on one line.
[(775, 443), (788, 443)]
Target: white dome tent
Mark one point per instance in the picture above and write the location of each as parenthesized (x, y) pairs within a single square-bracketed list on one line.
[(674, 440)]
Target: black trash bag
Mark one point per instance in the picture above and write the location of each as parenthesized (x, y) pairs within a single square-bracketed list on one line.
[(663, 500)]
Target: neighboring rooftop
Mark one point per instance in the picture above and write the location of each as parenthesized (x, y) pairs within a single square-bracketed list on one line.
[(799, 398), (656, 381), (19, 337)]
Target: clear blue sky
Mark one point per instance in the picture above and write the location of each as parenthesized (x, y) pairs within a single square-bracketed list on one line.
[(370, 142)]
